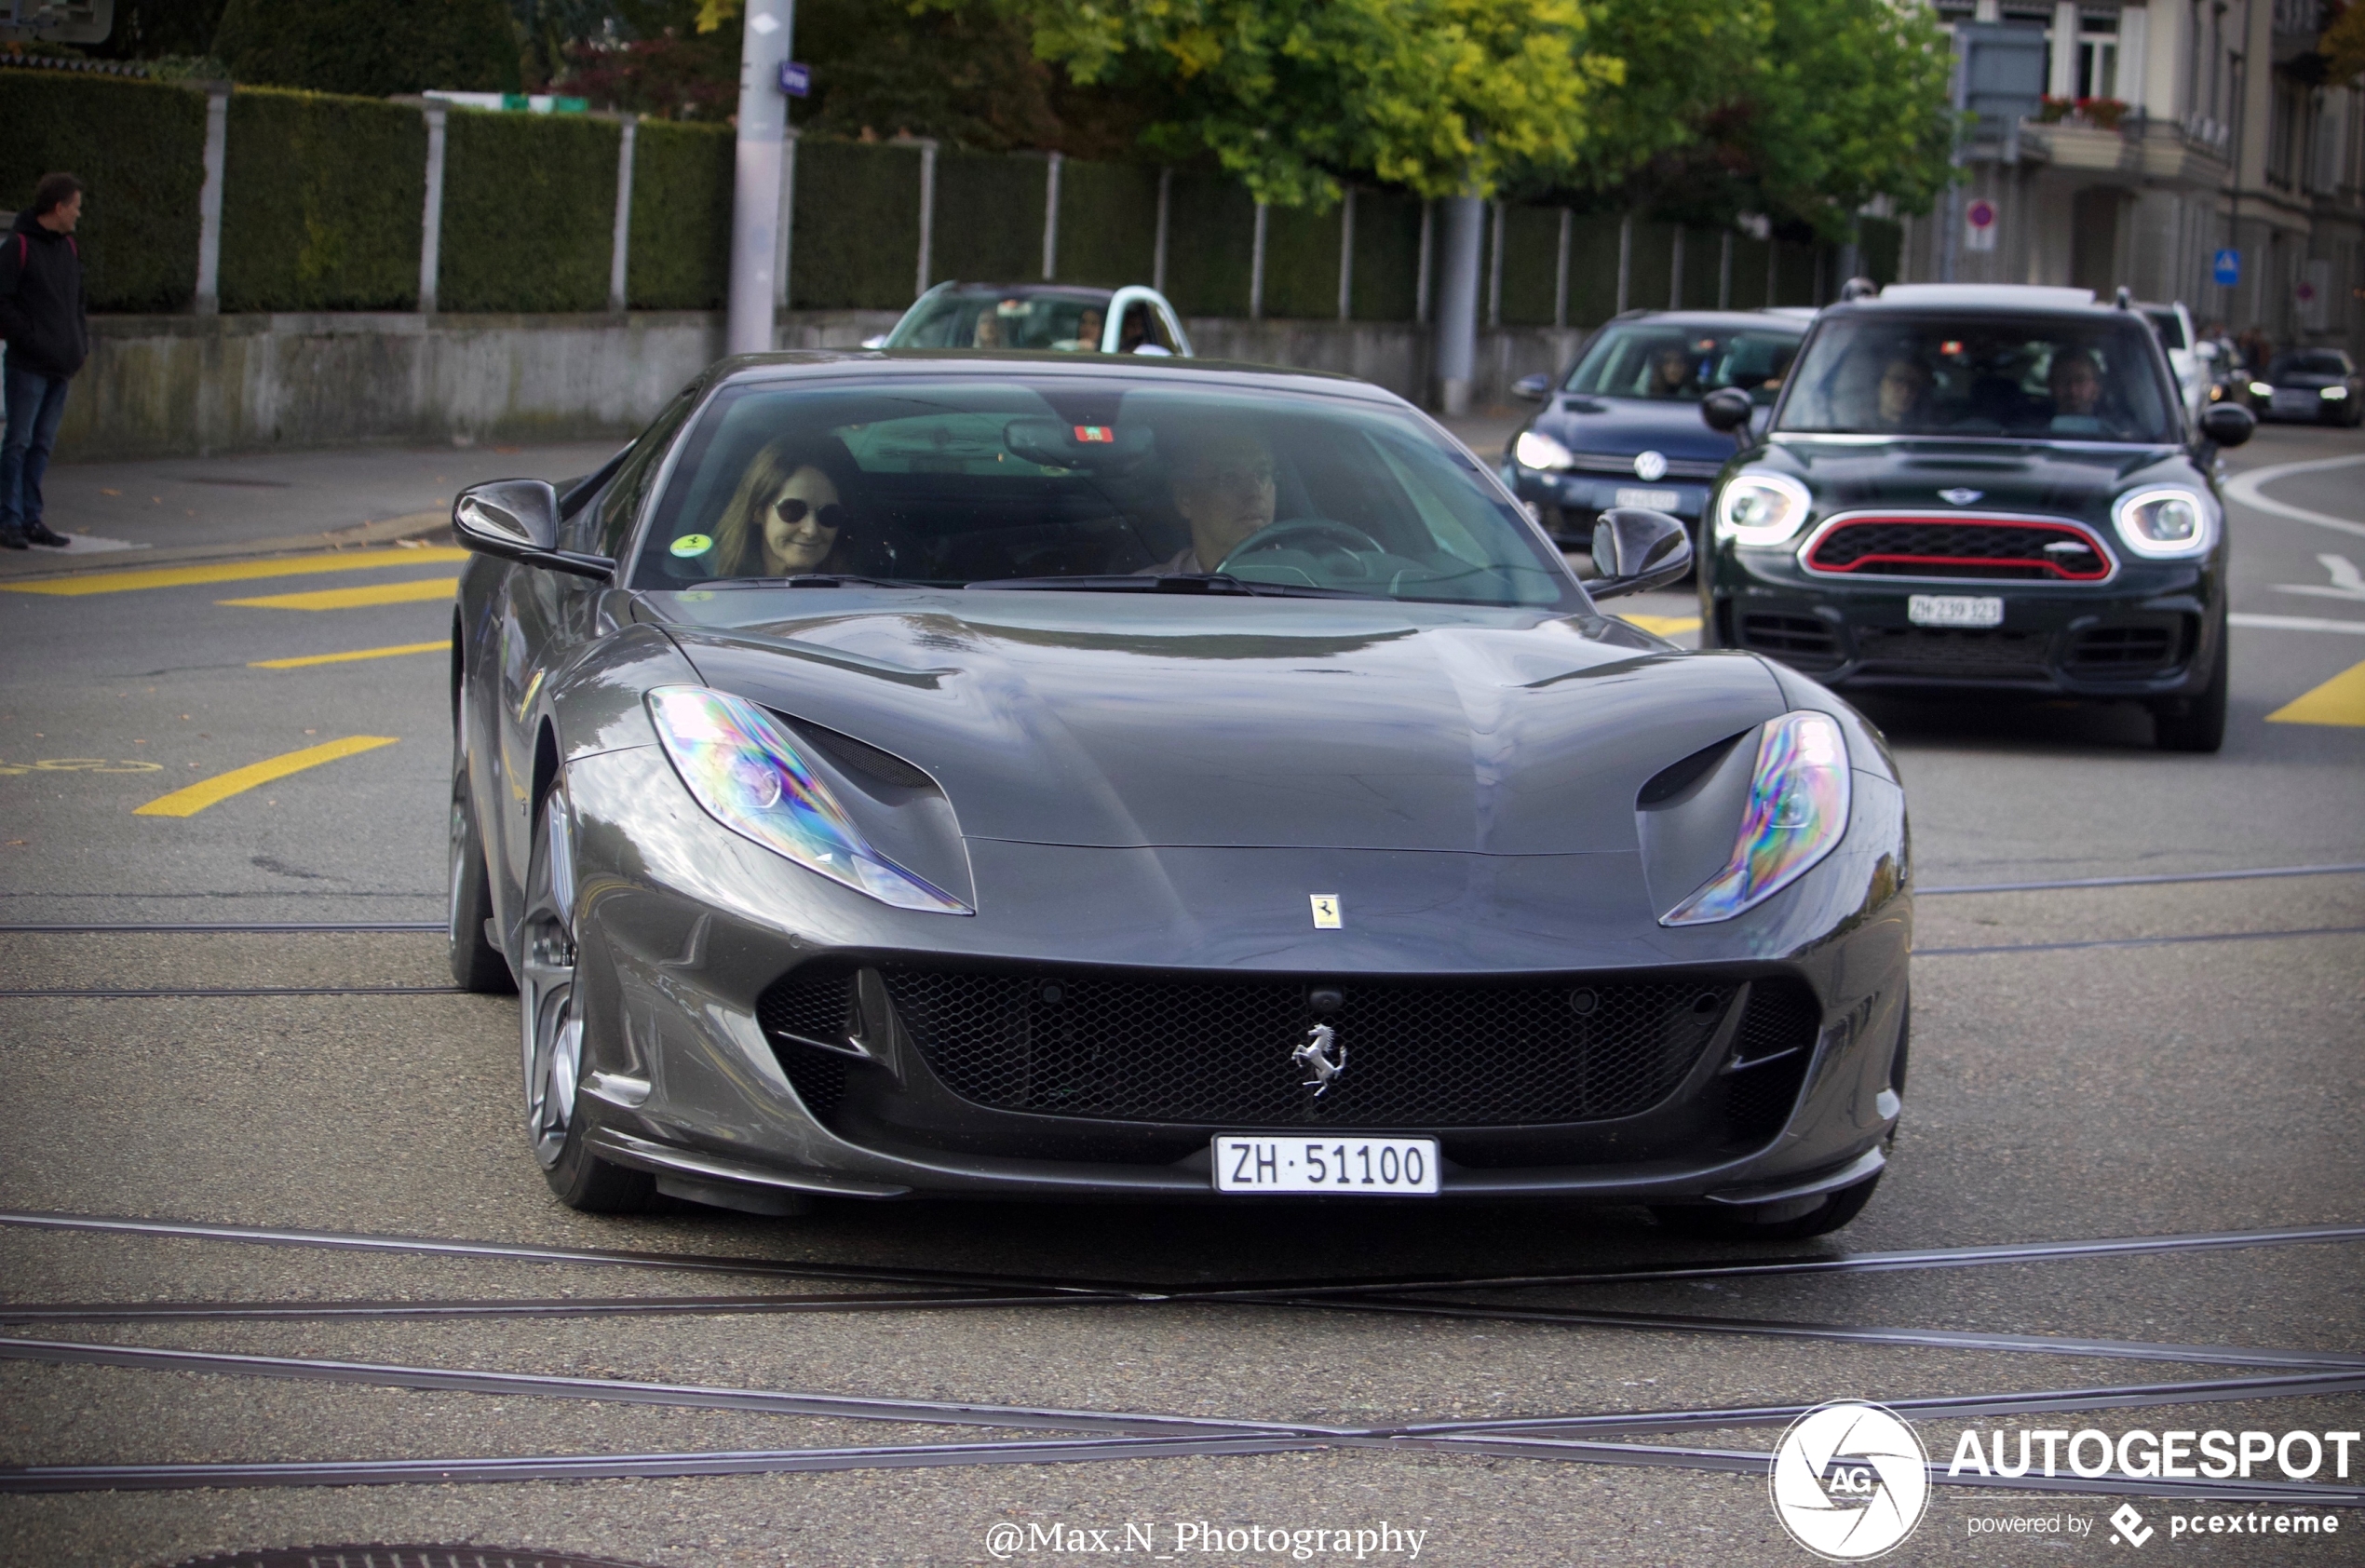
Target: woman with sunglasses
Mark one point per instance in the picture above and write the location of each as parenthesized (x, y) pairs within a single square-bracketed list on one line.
[(790, 514)]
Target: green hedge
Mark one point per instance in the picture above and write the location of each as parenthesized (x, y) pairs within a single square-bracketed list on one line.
[(1749, 273), (1793, 272), (529, 212), (1531, 266), (989, 218), (1593, 268), (857, 243), (1652, 266), (1210, 243), (1388, 256), (371, 47), (321, 202), (140, 148), (1301, 262), (1108, 223), (680, 256), (1879, 241)]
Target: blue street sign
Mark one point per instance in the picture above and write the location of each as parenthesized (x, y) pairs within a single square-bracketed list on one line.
[(796, 80), (2227, 269)]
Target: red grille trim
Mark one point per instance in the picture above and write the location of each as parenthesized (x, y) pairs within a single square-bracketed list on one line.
[(1957, 547)]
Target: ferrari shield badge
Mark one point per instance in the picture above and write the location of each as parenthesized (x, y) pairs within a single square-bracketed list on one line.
[(1326, 911), (1314, 1054)]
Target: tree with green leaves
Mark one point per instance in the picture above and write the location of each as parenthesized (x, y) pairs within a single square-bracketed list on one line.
[(370, 48)]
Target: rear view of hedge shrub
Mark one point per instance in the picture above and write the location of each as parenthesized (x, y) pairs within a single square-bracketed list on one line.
[(371, 48), (857, 242), (321, 202), (529, 212), (140, 148), (1108, 223), (680, 256)]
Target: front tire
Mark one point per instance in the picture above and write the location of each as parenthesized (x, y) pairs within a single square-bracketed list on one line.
[(551, 1028), (2198, 723), (476, 964)]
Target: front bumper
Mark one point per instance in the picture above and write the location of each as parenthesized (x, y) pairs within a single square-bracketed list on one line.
[(1578, 498), (691, 939), (2157, 629)]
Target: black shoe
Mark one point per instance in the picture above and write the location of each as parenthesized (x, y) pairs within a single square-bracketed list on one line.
[(42, 533), (12, 540)]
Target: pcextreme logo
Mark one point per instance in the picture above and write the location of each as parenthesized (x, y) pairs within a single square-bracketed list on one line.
[(1850, 1481)]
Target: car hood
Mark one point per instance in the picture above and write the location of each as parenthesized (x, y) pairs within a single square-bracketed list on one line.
[(1117, 721), (2050, 479), (1622, 426)]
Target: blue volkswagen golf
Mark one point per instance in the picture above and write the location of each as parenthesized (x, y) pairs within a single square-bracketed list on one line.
[(1622, 426)]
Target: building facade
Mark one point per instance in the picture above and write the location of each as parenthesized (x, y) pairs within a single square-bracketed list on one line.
[(2171, 131)]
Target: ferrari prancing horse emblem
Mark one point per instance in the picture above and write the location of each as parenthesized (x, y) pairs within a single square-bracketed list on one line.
[(1313, 1055), (1326, 911)]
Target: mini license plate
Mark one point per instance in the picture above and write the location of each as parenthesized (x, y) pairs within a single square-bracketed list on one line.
[(1374, 1167), (1651, 500), (1955, 609)]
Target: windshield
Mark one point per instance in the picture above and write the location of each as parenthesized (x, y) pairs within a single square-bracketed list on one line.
[(2072, 378), (1102, 483), (1678, 364), (979, 319), (2315, 362)]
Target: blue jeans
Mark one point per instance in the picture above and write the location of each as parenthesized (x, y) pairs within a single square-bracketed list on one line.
[(37, 404)]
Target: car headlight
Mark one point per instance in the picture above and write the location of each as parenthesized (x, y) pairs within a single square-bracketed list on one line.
[(1535, 450), (2333, 392), (740, 766), (1757, 508), (2260, 389), (2166, 524), (1797, 814)]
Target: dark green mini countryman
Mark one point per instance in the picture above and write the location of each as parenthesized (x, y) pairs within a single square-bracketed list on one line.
[(1981, 489)]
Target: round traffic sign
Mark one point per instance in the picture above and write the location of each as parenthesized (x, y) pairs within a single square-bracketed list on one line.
[(1981, 214)]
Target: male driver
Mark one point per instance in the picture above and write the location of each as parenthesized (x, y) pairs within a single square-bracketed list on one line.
[(1223, 488), (43, 319), (2076, 384)]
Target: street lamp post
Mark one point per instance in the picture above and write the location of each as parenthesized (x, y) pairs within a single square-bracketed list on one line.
[(755, 195)]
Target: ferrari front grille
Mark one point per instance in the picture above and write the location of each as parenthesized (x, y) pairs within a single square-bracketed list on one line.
[(1218, 1052), (2055, 552)]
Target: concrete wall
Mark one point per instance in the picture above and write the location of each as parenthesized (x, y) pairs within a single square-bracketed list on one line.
[(181, 386)]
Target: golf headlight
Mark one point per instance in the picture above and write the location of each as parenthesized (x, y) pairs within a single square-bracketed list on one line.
[(741, 766), (1535, 450), (2166, 524), (1797, 813), (2335, 393), (1760, 508), (2260, 389)]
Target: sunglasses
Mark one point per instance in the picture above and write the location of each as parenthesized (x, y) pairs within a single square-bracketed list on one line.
[(791, 510)]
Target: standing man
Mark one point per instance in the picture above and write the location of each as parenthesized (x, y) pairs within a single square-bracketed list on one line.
[(48, 335)]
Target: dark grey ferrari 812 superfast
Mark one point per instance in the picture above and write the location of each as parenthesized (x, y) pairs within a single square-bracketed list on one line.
[(1020, 777)]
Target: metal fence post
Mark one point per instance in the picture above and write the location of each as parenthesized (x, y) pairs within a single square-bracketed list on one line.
[(1346, 256), (786, 228), (1561, 274), (1675, 272), (1725, 273), (620, 251), (928, 215), (1051, 219), (1421, 276), (1494, 271), (1256, 267), (431, 221), (217, 130), (1157, 258), (1625, 258)]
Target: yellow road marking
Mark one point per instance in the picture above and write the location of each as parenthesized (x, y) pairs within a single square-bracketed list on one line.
[(2339, 700), (1663, 626), (197, 797), (235, 571), (310, 659), (348, 599)]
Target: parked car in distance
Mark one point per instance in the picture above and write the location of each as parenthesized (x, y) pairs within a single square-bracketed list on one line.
[(1055, 315), (2192, 359), (1621, 427), (1976, 490), (2319, 386)]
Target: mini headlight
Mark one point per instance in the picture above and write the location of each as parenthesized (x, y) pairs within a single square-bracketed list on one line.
[(1535, 450), (1760, 508), (2260, 389), (1797, 814), (2333, 392), (2166, 524), (739, 764)]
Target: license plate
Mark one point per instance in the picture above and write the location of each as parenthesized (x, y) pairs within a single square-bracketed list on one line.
[(1372, 1166), (1955, 609), (1652, 500)]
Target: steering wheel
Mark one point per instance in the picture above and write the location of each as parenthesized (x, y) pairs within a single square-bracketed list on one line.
[(1275, 536)]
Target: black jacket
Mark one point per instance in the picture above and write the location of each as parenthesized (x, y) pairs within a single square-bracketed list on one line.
[(42, 314)]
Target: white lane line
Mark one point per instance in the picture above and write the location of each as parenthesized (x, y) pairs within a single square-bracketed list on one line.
[(2298, 623), (2245, 489)]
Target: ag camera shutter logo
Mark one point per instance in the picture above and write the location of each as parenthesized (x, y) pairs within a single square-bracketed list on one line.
[(1849, 1481)]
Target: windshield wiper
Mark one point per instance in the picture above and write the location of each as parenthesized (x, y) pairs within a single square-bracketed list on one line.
[(815, 579), (1176, 582)]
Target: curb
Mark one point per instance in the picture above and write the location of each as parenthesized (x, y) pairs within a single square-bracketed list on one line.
[(410, 526)]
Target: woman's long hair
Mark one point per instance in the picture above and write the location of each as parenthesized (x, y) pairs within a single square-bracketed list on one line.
[(739, 532)]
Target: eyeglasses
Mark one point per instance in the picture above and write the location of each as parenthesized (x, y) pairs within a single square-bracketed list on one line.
[(790, 509)]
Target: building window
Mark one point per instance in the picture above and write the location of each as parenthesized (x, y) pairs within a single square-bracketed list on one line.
[(2097, 57)]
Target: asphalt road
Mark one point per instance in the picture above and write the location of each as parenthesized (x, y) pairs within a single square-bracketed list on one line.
[(2156, 1058)]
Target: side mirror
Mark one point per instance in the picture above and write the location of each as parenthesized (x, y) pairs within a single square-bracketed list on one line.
[(1728, 409), (518, 519), (1532, 388), (1635, 549), (2224, 424)]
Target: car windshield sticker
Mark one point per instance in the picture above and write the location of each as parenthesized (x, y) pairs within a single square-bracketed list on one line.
[(1095, 433), (693, 543)]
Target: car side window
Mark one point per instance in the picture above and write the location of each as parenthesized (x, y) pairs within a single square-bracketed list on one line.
[(611, 522)]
